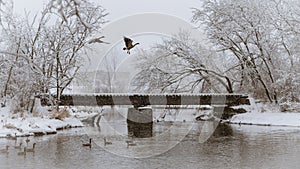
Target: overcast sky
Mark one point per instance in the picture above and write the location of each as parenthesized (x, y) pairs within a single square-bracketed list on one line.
[(118, 26), (123, 8)]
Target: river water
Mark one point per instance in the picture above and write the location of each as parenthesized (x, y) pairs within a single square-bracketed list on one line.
[(172, 145)]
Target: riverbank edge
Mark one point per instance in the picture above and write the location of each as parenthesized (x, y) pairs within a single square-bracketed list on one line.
[(39, 132), (261, 114)]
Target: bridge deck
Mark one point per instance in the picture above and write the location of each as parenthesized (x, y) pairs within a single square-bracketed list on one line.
[(139, 100)]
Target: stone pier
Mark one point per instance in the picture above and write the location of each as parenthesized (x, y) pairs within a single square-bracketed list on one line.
[(140, 122)]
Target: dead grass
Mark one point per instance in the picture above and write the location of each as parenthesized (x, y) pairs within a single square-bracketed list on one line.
[(9, 126), (61, 115)]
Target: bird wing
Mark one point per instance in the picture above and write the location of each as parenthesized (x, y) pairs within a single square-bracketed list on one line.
[(97, 40), (92, 41), (128, 42)]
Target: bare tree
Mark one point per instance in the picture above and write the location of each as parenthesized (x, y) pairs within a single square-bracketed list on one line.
[(245, 30), (286, 20), (16, 74), (50, 47), (108, 78), (180, 64)]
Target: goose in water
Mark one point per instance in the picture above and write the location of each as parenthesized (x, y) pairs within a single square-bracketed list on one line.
[(128, 44), (27, 141), (106, 142), (31, 149), (13, 137), (22, 153), (88, 144), (18, 147), (130, 143), (4, 150)]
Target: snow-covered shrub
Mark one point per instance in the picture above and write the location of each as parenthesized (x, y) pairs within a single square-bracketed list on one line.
[(290, 107), (287, 87), (39, 54), (263, 37), (62, 114)]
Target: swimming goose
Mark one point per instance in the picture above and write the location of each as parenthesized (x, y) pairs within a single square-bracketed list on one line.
[(22, 153), (13, 137), (31, 149), (4, 150), (128, 44), (18, 147), (88, 144), (106, 142), (129, 141), (130, 144), (27, 141)]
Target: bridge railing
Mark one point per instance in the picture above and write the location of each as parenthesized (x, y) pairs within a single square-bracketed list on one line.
[(139, 100)]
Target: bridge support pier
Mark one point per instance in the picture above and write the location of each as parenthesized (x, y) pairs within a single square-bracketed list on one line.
[(218, 110), (140, 122)]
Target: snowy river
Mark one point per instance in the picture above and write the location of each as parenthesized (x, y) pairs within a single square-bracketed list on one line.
[(171, 146)]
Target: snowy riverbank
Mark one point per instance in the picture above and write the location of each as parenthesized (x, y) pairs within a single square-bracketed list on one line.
[(267, 115), (25, 124), (44, 122), (268, 119)]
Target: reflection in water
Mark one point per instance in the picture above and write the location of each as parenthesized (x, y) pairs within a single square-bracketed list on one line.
[(228, 147), (139, 130), (140, 122), (223, 130)]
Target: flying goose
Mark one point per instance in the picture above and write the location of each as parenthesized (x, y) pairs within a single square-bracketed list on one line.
[(97, 40), (128, 44)]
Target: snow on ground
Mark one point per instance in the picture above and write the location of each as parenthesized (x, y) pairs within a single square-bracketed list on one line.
[(268, 115), (24, 124), (268, 118)]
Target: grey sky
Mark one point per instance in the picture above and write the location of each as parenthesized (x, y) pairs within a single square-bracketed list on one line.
[(132, 18), (123, 8)]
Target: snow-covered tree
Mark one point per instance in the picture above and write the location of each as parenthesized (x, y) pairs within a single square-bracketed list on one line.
[(68, 37), (257, 35), (180, 64), (49, 49), (17, 83)]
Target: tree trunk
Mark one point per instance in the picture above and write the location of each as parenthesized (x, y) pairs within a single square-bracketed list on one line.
[(10, 72), (57, 84)]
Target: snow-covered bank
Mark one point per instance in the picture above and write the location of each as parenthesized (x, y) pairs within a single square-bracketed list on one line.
[(268, 115), (43, 121), (267, 118), (24, 124)]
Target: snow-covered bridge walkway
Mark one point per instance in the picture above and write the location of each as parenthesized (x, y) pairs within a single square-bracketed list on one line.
[(140, 100)]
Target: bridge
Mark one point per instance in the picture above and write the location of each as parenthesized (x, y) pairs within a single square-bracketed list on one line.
[(139, 117), (141, 100)]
